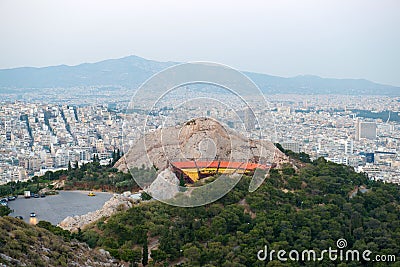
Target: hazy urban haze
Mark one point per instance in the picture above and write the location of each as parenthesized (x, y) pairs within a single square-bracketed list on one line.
[(199, 133), (341, 39)]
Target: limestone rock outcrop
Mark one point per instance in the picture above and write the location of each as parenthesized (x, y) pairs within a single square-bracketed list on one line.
[(198, 138), (165, 186), (116, 203)]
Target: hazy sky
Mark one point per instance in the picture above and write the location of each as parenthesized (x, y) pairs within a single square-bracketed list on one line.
[(329, 38)]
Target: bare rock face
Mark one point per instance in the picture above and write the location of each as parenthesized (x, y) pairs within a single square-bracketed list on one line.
[(116, 203), (198, 138), (58, 184), (165, 186)]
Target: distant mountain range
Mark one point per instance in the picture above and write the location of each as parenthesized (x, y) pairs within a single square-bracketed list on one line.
[(131, 71)]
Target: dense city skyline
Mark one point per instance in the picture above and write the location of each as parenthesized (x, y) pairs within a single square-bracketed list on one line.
[(38, 137)]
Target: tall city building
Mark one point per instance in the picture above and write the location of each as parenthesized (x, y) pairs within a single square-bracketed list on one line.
[(348, 147), (100, 146), (365, 130)]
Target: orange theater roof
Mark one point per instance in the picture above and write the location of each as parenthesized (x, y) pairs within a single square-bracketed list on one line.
[(220, 164)]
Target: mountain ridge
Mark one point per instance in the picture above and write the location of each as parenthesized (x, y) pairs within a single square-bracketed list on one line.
[(132, 71)]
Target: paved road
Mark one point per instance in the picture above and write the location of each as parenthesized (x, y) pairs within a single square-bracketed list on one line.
[(55, 208)]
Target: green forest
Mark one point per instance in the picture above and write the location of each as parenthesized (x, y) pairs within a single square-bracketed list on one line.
[(308, 208), (305, 209)]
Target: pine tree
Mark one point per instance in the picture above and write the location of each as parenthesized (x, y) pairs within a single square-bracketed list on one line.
[(69, 166), (145, 254), (118, 155)]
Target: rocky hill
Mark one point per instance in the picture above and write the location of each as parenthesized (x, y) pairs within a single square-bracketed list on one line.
[(198, 138)]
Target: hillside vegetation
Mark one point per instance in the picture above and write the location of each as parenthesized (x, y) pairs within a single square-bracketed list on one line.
[(307, 209), (26, 245), (310, 208)]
